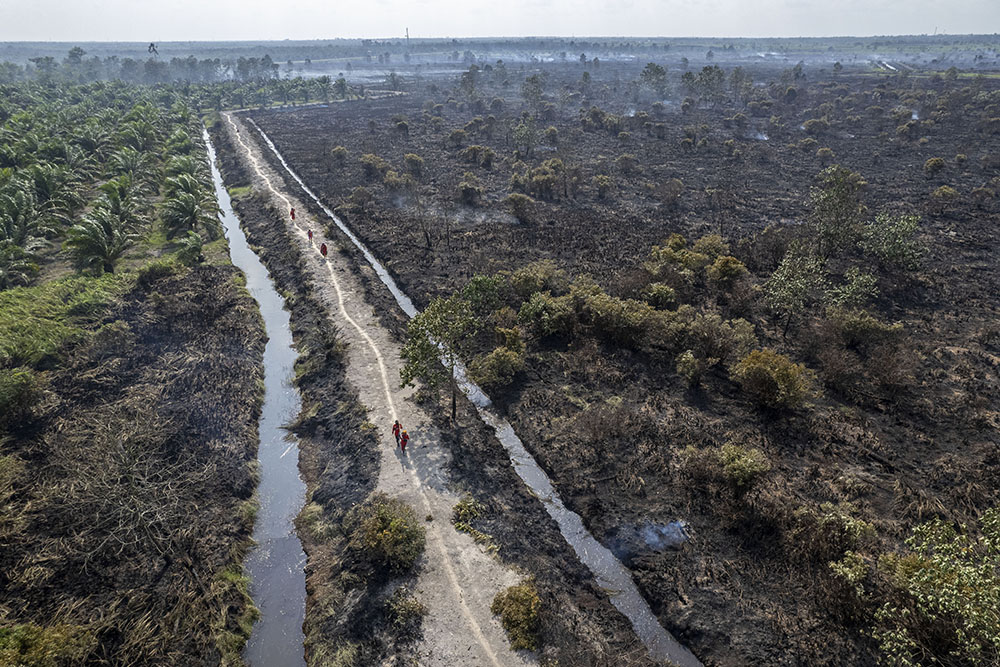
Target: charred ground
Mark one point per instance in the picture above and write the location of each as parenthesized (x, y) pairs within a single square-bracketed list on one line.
[(899, 434)]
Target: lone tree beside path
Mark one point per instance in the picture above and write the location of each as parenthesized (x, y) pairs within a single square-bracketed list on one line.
[(431, 350)]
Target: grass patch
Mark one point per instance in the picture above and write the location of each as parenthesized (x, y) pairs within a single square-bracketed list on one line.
[(518, 608), (31, 645), (237, 191), (37, 323), (232, 633), (464, 513)]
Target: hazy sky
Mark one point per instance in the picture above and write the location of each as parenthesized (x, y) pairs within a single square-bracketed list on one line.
[(167, 20)]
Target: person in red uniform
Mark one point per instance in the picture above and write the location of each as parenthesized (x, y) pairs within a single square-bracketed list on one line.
[(322, 249), (403, 439), (309, 233), (396, 428), (293, 214)]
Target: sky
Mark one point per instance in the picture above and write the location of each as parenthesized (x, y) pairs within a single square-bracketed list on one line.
[(181, 20)]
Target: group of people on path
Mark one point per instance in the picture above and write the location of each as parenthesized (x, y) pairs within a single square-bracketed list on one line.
[(402, 437), (309, 233)]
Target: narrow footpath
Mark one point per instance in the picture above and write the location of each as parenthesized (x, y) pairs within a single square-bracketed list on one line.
[(457, 579)]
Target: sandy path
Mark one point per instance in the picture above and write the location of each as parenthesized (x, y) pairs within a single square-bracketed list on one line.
[(457, 579)]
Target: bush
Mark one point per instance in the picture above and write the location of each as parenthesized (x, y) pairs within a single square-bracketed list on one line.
[(373, 167), (518, 608), (386, 530), (469, 191), (406, 611), (742, 468), (540, 276), (660, 296), (945, 194), (339, 155), (892, 239), (520, 206), (603, 184), (498, 368), (826, 534), (690, 367), (825, 155), (548, 315), (816, 126), (737, 468), (621, 321), (414, 164), (726, 272), (711, 245), (933, 166), (773, 380), (715, 340), (944, 604)]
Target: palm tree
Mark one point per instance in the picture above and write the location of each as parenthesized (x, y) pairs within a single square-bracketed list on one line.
[(122, 198), (99, 240), (185, 212), (185, 164), (21, 223), (16, 266)]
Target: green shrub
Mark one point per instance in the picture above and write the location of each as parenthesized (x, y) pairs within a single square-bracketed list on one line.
[(541, 276), (944, 606), (339, 155), (470, 193), (518, 608), (892, 239), (373, 167), (660, 296), (548, 315), (732, 466), (386, 530), (714, 339), (826, 533), (414, 164), (520, 206), (773, 380), (945, 194), (933, 166), (406, 611), (711, 245), (603, 184), (497, 368), (742, 468), (860, 329), (621, 321), (690, 367), (726, 272)]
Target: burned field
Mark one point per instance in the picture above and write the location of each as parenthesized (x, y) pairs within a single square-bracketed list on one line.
[(149, 417), (797, 359)]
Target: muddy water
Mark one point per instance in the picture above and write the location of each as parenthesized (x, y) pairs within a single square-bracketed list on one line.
[(276, 565), (610, 574)]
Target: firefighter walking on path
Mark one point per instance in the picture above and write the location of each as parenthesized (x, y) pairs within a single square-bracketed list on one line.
[(322, 249), (403, 439), (293, 214), (396, 429)]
